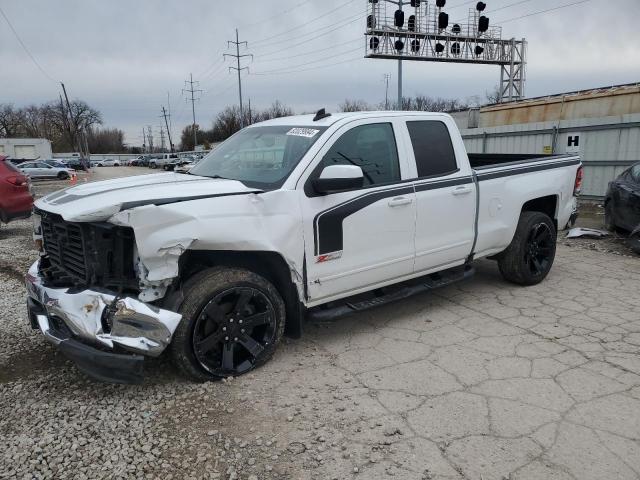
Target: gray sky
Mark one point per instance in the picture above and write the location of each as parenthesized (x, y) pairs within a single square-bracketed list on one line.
[(122, 57)]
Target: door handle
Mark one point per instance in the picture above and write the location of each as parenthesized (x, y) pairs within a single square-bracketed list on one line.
[(461, 191), (399, 202)]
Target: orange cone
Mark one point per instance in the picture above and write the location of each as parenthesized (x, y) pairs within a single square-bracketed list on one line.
[(74, 179)]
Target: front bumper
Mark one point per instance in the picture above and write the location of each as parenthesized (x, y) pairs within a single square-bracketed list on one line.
[(89, 326)]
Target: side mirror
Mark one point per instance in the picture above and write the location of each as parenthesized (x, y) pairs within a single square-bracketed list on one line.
[(337, 178)]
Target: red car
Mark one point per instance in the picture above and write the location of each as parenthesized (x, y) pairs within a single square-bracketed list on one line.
[(16, 200)]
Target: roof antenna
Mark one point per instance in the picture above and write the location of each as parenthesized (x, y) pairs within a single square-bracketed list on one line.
[(321, 114)]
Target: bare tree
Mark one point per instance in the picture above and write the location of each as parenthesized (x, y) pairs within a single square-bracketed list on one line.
[(493, 96), (355, 106)]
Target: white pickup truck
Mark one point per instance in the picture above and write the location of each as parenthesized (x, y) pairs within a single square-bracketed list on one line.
[(301, 216)]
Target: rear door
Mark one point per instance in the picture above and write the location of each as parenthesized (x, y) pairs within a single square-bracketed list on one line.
[(360, 238), (445, 195)]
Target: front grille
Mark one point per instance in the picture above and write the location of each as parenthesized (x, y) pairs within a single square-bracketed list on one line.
[(96, 254), (64, 243)]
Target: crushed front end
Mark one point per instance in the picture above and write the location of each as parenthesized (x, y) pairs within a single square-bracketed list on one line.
[(83, 294)]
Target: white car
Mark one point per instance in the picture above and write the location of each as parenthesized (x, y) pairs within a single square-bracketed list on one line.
[(107, 163), (37, 169), (297, 217)]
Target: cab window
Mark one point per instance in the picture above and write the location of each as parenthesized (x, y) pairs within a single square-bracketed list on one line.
[(432, 148), (371, 147)]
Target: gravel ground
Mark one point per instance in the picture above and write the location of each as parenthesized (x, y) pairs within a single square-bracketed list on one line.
[(480, 380)]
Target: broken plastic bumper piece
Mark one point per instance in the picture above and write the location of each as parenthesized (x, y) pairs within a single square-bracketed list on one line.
[(90, 327)]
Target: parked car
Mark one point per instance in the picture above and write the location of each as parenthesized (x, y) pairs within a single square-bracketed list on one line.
[(16, 200), (162, 160), (55, 163), (185, 166), (108, 163), (76, 164), (290, 218), (138, 161), (622, 205), (622, 201), (40, 169)]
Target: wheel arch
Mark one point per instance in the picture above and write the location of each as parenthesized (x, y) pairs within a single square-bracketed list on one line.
[(547, 205), (270, 265)]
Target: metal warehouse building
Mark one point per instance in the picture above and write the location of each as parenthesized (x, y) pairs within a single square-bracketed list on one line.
[(26, 148), (602, 125)]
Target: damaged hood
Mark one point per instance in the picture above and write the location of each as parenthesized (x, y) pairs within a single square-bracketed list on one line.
[(98, 201)]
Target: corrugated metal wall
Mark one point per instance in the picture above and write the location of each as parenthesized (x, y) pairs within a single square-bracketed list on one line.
[(607, 145)]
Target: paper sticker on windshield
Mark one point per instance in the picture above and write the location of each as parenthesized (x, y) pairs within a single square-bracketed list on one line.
[(303, 132)]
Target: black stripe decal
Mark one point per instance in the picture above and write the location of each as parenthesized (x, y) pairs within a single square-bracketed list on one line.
[(327, 225), (443, 184), (167, 201), (517, 171)]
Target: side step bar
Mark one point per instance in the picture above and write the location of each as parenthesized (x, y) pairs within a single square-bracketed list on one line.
[(391, 294)]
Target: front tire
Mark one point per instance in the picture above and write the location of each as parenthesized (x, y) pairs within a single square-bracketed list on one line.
[(63, 176), (530, 256), (232, 322)]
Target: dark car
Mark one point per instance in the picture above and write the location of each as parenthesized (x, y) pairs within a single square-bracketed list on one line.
[(622, 205), (15, 192), (622, 202), (77, 164)]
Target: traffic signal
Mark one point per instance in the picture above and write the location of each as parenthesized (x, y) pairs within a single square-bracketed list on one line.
[(415, 3), (456, 29), (481, 6), (411, 24), (415, 46), (374, 43), (441, 3), (456, 49), (439, 48), (371, 21), (483, 24), (443, 20), (399, 45), (479, 50), (399, 18)]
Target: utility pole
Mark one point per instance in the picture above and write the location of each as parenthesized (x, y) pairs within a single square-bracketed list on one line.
[(162, 144), (165, 115), (144, 141), (72, 130), (170, 127), (150, 138), (387, 77), (193, 91), (399, 84), (239, 69)]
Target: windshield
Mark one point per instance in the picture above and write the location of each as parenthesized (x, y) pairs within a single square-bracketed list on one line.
[(259, 157)]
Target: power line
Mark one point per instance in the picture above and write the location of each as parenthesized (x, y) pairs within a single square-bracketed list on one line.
[(33, 59), (543, 11), (291, 9), (349, 21), (309, 69), (314, 61), (305, 54), (345, 4)]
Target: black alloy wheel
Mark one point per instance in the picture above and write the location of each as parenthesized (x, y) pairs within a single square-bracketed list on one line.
[(233, 330), (539, 249)]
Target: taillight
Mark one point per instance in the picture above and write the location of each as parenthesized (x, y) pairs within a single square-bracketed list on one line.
[(17, 180), (577, 188)]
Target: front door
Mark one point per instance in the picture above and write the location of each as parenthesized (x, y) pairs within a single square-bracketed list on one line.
[(360, 238)]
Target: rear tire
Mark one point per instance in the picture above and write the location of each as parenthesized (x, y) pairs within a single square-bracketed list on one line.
[(232, 322), (63, 176), (530, 256)]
